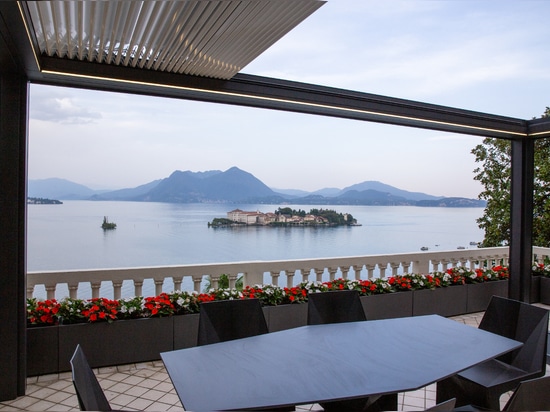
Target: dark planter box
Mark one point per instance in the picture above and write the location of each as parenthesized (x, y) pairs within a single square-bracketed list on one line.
[(480, 294), (42, 352), (388, 305), (117, 343), (285, 316), (186, 331), (544, 290), (448, 301), (535, 288)]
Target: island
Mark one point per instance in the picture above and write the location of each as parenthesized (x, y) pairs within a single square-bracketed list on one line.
[(106, 225), (42, 201), (285, 217)]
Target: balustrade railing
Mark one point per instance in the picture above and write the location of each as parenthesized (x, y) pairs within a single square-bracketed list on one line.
[(148, 281)]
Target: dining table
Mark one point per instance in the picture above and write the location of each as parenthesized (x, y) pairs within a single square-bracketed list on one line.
[(331, 362)]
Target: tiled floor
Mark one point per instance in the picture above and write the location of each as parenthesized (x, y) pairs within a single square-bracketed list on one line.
[(147, 387)]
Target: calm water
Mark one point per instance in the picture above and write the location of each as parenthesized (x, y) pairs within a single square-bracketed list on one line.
[(69, 236)]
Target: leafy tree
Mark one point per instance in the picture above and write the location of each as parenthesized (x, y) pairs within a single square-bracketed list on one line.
[(494, 174)]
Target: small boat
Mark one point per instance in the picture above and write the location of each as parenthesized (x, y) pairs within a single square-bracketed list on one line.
[(474, 243), (461, 247), (424, 248)]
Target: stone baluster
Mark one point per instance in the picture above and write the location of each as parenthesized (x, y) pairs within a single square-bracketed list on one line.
[(158, 286), (369, 269), (197, 280), (274, 276), (305, 274), (177, 283), (50, 291), (232, 280), (290, 278), (73, 290), (117, 289), (394, 268), (319, 274), (331, 274), (214, 281), (138, 287), (95, 289)]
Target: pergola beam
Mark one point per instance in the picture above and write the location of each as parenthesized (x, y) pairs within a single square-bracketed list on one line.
[(276, 94)]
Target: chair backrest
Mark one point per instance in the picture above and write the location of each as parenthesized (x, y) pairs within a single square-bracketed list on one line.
[(335, 307), (448, 405), (531, 395), (225, 320), (522, 322), (88, 391)]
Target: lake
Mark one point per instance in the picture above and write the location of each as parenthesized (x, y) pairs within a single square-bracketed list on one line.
[(69, 236)]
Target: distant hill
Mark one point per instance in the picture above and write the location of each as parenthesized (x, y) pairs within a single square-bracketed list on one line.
[(237, 186), (55, 188), (384, 188), (234, 185)]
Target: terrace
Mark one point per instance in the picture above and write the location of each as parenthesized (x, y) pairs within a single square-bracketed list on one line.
[(31, 53)]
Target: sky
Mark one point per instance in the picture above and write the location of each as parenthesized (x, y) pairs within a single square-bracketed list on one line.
[(483, 55)]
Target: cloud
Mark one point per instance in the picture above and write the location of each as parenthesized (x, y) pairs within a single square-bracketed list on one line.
[(60, 106)]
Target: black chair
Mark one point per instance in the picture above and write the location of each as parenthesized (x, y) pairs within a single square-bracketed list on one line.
[(88, 391), (225, 320), (448, 405), (334, 307), (483, 384), (530, 395), (337, 307)]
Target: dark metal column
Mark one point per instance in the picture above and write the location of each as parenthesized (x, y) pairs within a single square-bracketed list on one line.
[(521, 219), (13, 207)]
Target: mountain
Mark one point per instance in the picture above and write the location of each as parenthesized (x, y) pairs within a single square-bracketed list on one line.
[(55, 188), (382, 187), (237, 186), (232, 186), (126, 194)]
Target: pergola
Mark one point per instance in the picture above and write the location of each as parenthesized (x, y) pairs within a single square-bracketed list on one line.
[(191, 49)]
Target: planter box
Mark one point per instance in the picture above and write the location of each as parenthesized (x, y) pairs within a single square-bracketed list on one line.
[(480, 294), (545, 290), (186, 331), (42, 352), (535, 288), (117, 343), (388, 305), (285, 316), (448, 301)]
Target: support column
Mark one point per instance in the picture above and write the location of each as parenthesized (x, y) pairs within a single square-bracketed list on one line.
[(521, 219), (13, 208)]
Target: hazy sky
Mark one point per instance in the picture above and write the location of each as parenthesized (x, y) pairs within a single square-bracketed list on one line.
[(489, 56)]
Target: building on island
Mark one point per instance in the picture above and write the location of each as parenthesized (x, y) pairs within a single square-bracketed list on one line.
[(259, 218)]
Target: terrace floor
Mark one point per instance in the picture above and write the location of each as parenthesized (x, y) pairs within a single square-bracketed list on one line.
[(147, 387)]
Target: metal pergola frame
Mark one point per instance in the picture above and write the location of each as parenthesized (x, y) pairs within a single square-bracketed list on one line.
[(19, 66)]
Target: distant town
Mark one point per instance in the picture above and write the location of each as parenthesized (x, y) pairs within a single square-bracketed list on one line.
[(285, 217), (42, 201)]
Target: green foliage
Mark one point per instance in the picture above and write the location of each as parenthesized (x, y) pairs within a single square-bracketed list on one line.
[(494, 174)]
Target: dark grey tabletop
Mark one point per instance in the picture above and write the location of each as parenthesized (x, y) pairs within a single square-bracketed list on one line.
[(319, 363)]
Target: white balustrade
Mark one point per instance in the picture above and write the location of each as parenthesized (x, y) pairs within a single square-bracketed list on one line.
[(125, 282)]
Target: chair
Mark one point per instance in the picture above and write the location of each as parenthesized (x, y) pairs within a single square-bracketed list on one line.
[(530, 395), (337, 307), (334, 307), (483, 384), (88, 391), (448, 405), (225, 320)]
